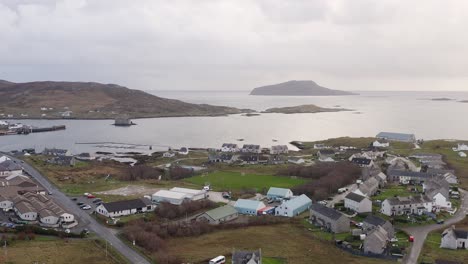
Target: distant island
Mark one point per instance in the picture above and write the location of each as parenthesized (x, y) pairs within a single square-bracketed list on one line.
[(297, 88), (303, 109), (442, 99), (90, 100), (463, 101)]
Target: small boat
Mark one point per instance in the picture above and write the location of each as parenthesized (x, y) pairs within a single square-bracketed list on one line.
[(274, 140), (240, 139)]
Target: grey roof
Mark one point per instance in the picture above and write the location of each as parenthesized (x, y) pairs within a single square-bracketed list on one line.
[(9, 165), (396, 136), (221, 212), (408, 200), (326, 152), (439, 171), (229, 145), (244, 257), (374, 220), (326, 211), (426, 155), (415, 174), (355, 197), (248, 157), (126, 205), (361, 161), (250, 146), (461, 233), (54, 151)]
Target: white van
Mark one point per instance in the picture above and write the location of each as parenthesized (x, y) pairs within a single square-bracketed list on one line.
[(218, 260)]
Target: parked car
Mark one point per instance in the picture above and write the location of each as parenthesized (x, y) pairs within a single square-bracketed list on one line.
[(80, 203), (440, 221), (74, 199), (86, 207), (90, 196), (97, 200)]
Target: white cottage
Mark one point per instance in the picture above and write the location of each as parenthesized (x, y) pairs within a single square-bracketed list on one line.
[(122, 208), (454, 238), (358, 203)]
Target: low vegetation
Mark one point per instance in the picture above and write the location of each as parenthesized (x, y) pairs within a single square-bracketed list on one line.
[(326, 178), (170, 211)]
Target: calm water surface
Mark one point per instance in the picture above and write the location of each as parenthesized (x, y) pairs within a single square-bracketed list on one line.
[(409, 112)]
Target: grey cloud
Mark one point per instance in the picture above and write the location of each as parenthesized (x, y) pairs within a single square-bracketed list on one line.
[(233, 44)]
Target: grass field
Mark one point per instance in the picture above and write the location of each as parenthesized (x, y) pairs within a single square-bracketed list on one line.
[(294, 244), (392, 190), (224, 180), (55, 251)]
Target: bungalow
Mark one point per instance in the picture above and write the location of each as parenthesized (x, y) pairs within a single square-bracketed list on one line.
[(56, 152), (247, 257), (396, 137), (358, 203), (326, 155), (10, 168), (229, 147), (320, 146), (161, 196), (371, 222), (219, 215), (406, 177), (380, 144), (294, 207), (24, 210), (249, 158), (248, 207), (62, 160), (376, 241), (279, 149), (362, 162), (296, 160), (406, 205), (127, 207), (249, 148), (329, 218), (168, 154), (460, 147), (454, 238), (275, 193), (183, 151)]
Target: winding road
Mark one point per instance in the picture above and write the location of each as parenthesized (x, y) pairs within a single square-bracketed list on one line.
[(420, 232), (83, 217)]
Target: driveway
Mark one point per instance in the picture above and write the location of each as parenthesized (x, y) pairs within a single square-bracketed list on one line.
[(83, 217), (420, 232), (340, 197)]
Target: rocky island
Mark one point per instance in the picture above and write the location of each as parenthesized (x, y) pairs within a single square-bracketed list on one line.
[(90, 100), (303, 109), (297, 88)]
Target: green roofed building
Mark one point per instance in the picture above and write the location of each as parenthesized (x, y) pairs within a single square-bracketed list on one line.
[(219, 215)]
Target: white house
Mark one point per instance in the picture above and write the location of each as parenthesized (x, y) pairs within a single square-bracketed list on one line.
[(176, 198), (229, 147), (168, 154), (406, 205), (460, 147), (438, 189), (248, 207), (279, 149), (5, 203), (462, 154), (358, 203), (25, 211), (294, 207), (10, 168), (380, 144), (454, 238), (122, 208)]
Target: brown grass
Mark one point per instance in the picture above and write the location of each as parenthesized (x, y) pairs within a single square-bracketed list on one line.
[(295, 244)]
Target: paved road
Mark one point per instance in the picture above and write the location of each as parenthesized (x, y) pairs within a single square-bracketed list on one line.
[(420, 232), (83, 217), (340, 197)]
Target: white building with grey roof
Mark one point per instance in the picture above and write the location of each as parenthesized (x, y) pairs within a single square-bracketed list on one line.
[(358, 203), (406, 205)]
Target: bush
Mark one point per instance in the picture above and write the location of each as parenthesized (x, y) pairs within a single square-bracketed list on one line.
[(171, 211)]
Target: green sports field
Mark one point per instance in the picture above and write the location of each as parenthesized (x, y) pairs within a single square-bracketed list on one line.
[(236, 180)]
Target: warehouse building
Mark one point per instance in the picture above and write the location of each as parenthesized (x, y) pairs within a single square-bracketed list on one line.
[(176, 198), (191, 194), (294, 207), (248, 207)]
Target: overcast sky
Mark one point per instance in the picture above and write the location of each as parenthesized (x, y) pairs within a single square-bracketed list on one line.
[(237, 44)]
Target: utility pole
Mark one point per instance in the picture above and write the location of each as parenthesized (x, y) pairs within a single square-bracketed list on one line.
[(6, 251)]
